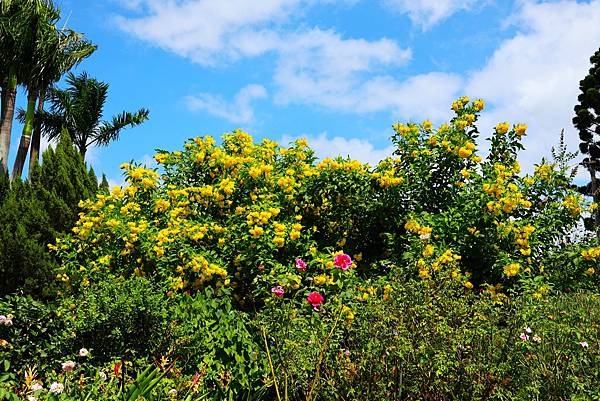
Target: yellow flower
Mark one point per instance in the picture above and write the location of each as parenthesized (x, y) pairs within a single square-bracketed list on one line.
[(479, 104), (279, 241), (427, 125), (520, 129), (468, 285), (161, 157), (502, 128), (512, 269), (428, 251), (464, 152)]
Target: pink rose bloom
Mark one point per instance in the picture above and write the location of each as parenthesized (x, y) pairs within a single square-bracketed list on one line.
[(315, 300), (524, 337), (68, 366), (278, 291), (342, 261), (300, 264)]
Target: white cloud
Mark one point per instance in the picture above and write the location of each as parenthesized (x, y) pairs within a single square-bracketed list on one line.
[(206, 31), (534, 76), (355, 148), (238, 111), (427, 13), (322, 68)]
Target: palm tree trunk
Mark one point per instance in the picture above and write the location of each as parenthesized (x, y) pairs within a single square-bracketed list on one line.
[(9, 94), (25, 136), (37, 133)]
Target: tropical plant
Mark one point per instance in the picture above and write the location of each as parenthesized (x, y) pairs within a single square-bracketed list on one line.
[(52, 52), (15, 31), (39, 33), (77, 110)]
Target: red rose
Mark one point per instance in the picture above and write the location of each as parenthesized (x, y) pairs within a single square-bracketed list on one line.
[(342, 261), (315, 300)]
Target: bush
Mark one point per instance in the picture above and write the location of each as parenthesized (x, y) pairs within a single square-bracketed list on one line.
[(36, 337), (215, 340), (127, 318), (414, 341)]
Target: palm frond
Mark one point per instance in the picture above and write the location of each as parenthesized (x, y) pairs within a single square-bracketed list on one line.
[(109, 131)]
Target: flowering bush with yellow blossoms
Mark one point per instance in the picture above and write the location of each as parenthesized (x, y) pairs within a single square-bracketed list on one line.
[(240, 214)]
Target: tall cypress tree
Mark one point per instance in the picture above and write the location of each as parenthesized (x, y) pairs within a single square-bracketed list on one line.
[(587, 122), (34, 213)]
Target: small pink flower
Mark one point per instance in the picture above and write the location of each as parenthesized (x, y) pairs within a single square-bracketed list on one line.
[(68, 366), (424, 236), (300, 264), (315, 300), (83, 352), (342, 261), (584, 344), (278, 291), (524, 337)]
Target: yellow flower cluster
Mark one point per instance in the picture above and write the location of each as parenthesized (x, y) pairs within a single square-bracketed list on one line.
[(544, 171), (522, 239), (591, 254), (573, 203), (414, 227), (512, 269)]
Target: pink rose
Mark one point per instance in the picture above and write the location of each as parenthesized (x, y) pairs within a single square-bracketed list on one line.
[(300, 264), (342, 261), (315, 300), (278, 291), (524, 337), (68, 366)]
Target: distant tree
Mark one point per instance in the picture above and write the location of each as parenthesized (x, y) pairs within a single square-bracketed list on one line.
[(78, 110), (587, 122)]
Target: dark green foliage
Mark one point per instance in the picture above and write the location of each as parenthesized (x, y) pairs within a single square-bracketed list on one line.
[(121, 319), (214, 338), (37, 336), (587, 112), (61, 182), (33, 214), (103, 187), (587, 122), (25, 229)]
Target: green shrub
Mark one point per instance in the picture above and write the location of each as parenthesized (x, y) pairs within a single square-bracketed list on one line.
[(37, 336), (126, 318), (215, 340)]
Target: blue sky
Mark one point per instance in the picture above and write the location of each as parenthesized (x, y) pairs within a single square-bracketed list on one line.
[(338, 72)]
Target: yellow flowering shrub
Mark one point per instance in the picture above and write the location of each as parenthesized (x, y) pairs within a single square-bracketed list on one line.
[(241, 214)]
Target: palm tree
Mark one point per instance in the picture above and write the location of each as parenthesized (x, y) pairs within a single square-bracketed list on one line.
[(68, 50), (14, 18), (37, 44), (77, 110)]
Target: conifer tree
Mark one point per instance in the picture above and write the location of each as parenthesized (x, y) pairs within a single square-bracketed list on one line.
[(587, 122)]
